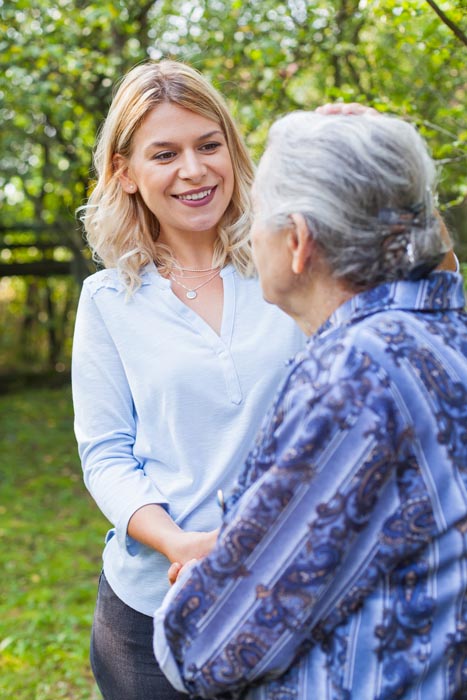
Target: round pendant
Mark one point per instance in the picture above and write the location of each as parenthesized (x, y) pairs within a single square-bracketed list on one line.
[(191, 294)]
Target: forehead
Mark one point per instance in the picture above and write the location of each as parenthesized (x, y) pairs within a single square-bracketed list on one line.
[(169, 123)]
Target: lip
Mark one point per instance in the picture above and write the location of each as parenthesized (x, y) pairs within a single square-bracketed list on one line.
[(196, 202)]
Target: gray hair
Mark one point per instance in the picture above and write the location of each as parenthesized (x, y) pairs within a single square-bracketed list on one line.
[(364, 186)]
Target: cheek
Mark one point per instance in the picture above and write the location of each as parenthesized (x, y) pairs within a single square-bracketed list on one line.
[(254, 253), (153, 187), (229, 180), (262, 259), (254, 243)]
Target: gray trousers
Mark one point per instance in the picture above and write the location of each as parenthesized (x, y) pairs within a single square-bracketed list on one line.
[(122, 657)]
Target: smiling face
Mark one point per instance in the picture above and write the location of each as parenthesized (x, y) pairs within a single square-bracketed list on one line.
[(180, 165)]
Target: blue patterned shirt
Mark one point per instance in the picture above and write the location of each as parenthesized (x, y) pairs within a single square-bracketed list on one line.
[(341, 574)]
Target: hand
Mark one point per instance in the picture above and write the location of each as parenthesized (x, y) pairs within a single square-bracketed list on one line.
[(176, 569), (449, 261), (185, 546), (191, 547), (346, 108)]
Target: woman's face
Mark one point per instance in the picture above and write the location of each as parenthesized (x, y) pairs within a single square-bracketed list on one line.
[(181, 166)]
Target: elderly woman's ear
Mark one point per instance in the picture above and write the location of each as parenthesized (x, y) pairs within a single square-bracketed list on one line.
[(301, 244)]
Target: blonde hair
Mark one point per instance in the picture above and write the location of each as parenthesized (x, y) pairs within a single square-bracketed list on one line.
[(120, 229)]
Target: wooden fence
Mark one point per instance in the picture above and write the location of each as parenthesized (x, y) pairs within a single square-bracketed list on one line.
[(51, 264)]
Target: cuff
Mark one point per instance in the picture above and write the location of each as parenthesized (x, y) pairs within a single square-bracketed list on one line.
[(162, 651)]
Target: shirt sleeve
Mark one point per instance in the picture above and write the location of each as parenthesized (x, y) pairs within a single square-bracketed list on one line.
[(105, 424), (290, 553)]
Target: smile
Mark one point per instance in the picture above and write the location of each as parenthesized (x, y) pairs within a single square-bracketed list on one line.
[(195, 196)]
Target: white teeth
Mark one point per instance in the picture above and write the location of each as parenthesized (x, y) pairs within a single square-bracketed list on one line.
[(194, 197)]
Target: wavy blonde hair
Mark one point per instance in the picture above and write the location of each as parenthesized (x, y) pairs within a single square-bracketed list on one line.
[(120, 229)]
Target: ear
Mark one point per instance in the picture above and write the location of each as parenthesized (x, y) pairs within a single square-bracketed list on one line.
[(121, 166), (300, 243)]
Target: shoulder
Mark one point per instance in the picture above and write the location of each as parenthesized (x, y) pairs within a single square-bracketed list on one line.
[(104, 279), (353, 357), (111, 280), (365, 335), (383, 356)]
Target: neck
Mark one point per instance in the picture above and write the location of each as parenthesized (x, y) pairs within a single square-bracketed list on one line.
[(316, 301), (192, 251)]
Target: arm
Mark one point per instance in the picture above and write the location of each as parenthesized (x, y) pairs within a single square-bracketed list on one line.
[(152, 525), (105, 427), (292, 549)]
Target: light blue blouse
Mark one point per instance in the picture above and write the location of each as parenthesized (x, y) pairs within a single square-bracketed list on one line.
[(166, 409)]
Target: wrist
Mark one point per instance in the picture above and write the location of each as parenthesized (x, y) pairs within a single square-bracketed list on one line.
[(175, 546)]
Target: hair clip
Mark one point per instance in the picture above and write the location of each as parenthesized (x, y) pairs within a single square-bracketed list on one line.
[(410, 253), (398, 220)]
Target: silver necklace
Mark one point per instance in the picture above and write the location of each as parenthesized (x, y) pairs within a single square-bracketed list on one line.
[(192, 277), (192, 293), (194, 269)]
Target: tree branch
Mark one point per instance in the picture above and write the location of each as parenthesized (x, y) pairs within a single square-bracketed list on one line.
[(449, 23)]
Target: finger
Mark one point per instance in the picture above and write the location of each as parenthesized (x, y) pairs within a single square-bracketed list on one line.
[(173, 572), (330, 108), (356, 108), (347, 108)]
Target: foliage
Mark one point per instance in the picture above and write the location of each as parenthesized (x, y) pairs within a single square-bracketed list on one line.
[(51, 536), (271, 57), (464, 274), (36, 317), (59, 63)]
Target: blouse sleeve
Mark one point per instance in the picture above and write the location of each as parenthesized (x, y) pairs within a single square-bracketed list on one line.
[(105, 424), (286, 566)]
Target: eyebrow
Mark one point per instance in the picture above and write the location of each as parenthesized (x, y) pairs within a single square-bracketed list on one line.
[(170, 144)]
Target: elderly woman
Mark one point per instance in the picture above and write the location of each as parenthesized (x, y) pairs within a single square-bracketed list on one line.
[(341, 567)]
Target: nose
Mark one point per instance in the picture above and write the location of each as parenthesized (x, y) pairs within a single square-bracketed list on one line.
[(192, 166)]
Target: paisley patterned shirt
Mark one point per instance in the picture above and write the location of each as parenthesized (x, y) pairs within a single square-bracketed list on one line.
[(340, 572)]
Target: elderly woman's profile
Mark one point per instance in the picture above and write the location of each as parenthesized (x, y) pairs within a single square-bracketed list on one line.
[(340, 571)]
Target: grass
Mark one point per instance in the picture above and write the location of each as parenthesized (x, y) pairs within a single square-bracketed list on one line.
[(51, 537)]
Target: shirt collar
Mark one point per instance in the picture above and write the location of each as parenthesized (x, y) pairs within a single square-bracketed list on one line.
[(439, 291)]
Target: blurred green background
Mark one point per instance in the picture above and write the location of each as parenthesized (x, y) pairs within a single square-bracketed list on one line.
[(59, 63)]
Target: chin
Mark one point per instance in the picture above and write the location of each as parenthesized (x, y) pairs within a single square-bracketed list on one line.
[(267, 296), (271, 298)]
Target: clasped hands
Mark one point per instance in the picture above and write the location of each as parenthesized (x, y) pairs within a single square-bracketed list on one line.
[(190, 547)]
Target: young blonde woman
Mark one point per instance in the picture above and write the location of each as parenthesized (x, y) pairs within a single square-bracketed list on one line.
[(176, 354)]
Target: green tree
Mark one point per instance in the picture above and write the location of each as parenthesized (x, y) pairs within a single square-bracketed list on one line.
[(58, 66), (271, 57), (60, 62)]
